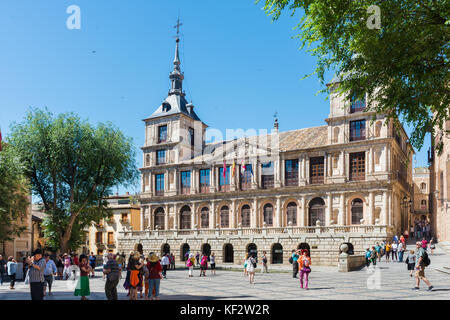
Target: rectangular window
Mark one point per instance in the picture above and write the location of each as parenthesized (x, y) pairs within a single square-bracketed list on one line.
[(291, 172), (357, 130), (357, 104), (110, 237), (161, 157), (316, 170), (357, 166), (124, 217), (224, 183), (159, 184), (99, 237), (267, 175), (162, 133), (246, 177), (191, 136), (185, 182), (204, 180)]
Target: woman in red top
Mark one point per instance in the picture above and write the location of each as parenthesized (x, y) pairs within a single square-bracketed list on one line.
[(304, 262), (155, 271), (82, 288)]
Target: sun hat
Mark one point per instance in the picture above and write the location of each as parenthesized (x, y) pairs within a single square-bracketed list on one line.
[(137, 255), (153, 258)]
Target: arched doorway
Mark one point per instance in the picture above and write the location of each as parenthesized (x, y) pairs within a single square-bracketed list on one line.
[(316, 212), (277, 253), (184, 249), (165, 249), (304, 245), (138, 247), (357, 211), (159, 219), (206, 249), (252, 249), (185, 218), (228, 253)]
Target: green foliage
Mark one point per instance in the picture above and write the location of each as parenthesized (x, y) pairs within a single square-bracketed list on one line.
[(403, 66), (14, 195), (73, 167)]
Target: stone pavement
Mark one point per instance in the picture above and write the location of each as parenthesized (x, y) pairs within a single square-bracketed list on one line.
[(390, 280)]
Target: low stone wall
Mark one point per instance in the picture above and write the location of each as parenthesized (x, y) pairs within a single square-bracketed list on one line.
[(324, 247), (349, 262)]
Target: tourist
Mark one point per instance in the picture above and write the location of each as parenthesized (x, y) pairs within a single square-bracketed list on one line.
[(424, 243), (412, 232), (155, 269), (388, 250), (245, 264), (11, 267), (295, 256), (203, 265), (402, 239), (406, 235), (264, 263), (411, 262), (190, 264), (112, 277), (421, 254), (126, 284), (418, 231), (165, 263), (92, 263), (395, 238), (373, 256), (2, 269), (394, 251), (75, 265), (105, 261), (66, 262), (251, 265), (213, 263), (59, 267), (49, 271), (400, 250), (424, 230), (36, 275), (368, 254), (82, 289), (197, 258), (146, 278), (378, 249), (135, 266), (432, 245), (304, 267), (140, 287), (172, 261)]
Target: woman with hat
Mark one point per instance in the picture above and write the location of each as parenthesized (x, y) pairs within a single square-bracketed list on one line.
[(304, 266), (155, 276), (135, 266), (190, 264)]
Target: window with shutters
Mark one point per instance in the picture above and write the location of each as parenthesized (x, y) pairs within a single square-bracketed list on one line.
[(267, 175), (185, 182), (291, 172), (204, 180), (204, 217), (245, 216), (316, 171), (357, 166), (357, 130), (224, 217)]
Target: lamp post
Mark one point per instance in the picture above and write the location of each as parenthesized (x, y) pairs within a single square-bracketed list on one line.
[(406, 203)]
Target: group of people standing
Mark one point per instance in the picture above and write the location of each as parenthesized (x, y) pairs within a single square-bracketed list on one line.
[(202, 262), (421, 229)]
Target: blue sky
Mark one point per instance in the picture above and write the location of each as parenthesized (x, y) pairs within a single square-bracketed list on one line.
[(239, 66)]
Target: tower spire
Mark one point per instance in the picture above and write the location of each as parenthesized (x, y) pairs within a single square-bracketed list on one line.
[(176, 76)]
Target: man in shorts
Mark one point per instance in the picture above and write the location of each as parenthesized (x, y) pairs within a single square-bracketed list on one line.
[(420, 267)]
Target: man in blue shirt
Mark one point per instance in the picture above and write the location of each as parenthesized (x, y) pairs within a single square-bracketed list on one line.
[(295, 256), (92, 263), (49, 271)]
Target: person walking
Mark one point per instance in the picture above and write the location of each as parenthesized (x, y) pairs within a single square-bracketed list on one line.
[(394, 251), (2, 269), (135, 266), (304, 266), (421, 257), (36, 275), (388, 251), (190, 264), (146, 278), (155, 275), (264, 262), (432, 245), (203, 264), (373, 256), (378, 250), (295, 256), (251, 265), (411, 262), (368, 253), (424, 243), (172, 261), (92, 263), (197, 258), (59, 267), (213, 263), (112, 277), (400, 250), (165, 263), (11, 267), (245, 264), (67, 264), (49, 271), (428, 230)]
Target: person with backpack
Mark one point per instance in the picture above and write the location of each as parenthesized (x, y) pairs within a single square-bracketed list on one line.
[(165, 263), (373, 256), (251, 266), (422, 261), (400, 250), (411, 262), (112, 272), (293, 259), (190, 264), (212, 261), (264, 263), (203, 264), (388, 250), (304, 266)]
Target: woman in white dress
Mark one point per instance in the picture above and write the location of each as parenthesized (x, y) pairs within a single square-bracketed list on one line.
[(251, 265)]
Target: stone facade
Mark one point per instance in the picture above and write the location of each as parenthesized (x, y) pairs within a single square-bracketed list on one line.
[(421, 203), (323, 186)]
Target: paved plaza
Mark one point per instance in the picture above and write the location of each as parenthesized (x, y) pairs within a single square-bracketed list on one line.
[(390, 280)]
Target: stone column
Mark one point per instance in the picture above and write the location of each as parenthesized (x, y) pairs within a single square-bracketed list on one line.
[(150, 183), (254, 218), (166, 181), (194, 213), (328, 210), (341, 220), (142, 218), (307, 170), (279, 215), (175, 216), (233, 214), (371, 156), (213, 214), (385, 207), (342, 163), (386, 159), (166, 217), (371, 209), (325, 166), (390, 208), (302, 219), (150, 217)]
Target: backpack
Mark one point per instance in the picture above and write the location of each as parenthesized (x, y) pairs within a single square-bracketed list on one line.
[(426, 260), (264, 260), (291, 261)]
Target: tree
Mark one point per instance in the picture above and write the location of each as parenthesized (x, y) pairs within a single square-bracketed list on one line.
[(396, 52), (73, 167), (14, 195)]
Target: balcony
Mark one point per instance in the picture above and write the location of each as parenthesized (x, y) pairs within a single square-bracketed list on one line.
[(111, 245)]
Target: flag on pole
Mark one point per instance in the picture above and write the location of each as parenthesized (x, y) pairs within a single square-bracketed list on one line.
[(251, 169), (224, 170), (243, 167), (234, 165)]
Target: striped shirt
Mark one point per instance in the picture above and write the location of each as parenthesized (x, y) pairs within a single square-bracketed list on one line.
[(35, 274)]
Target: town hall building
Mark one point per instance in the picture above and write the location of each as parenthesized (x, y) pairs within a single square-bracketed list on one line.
[(314, 188)]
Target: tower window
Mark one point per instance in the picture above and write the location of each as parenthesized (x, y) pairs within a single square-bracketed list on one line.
[(357, 104), (357, 130), (162, 133), (161, 157)]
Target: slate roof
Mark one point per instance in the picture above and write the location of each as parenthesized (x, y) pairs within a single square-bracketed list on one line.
[(177, 105)]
